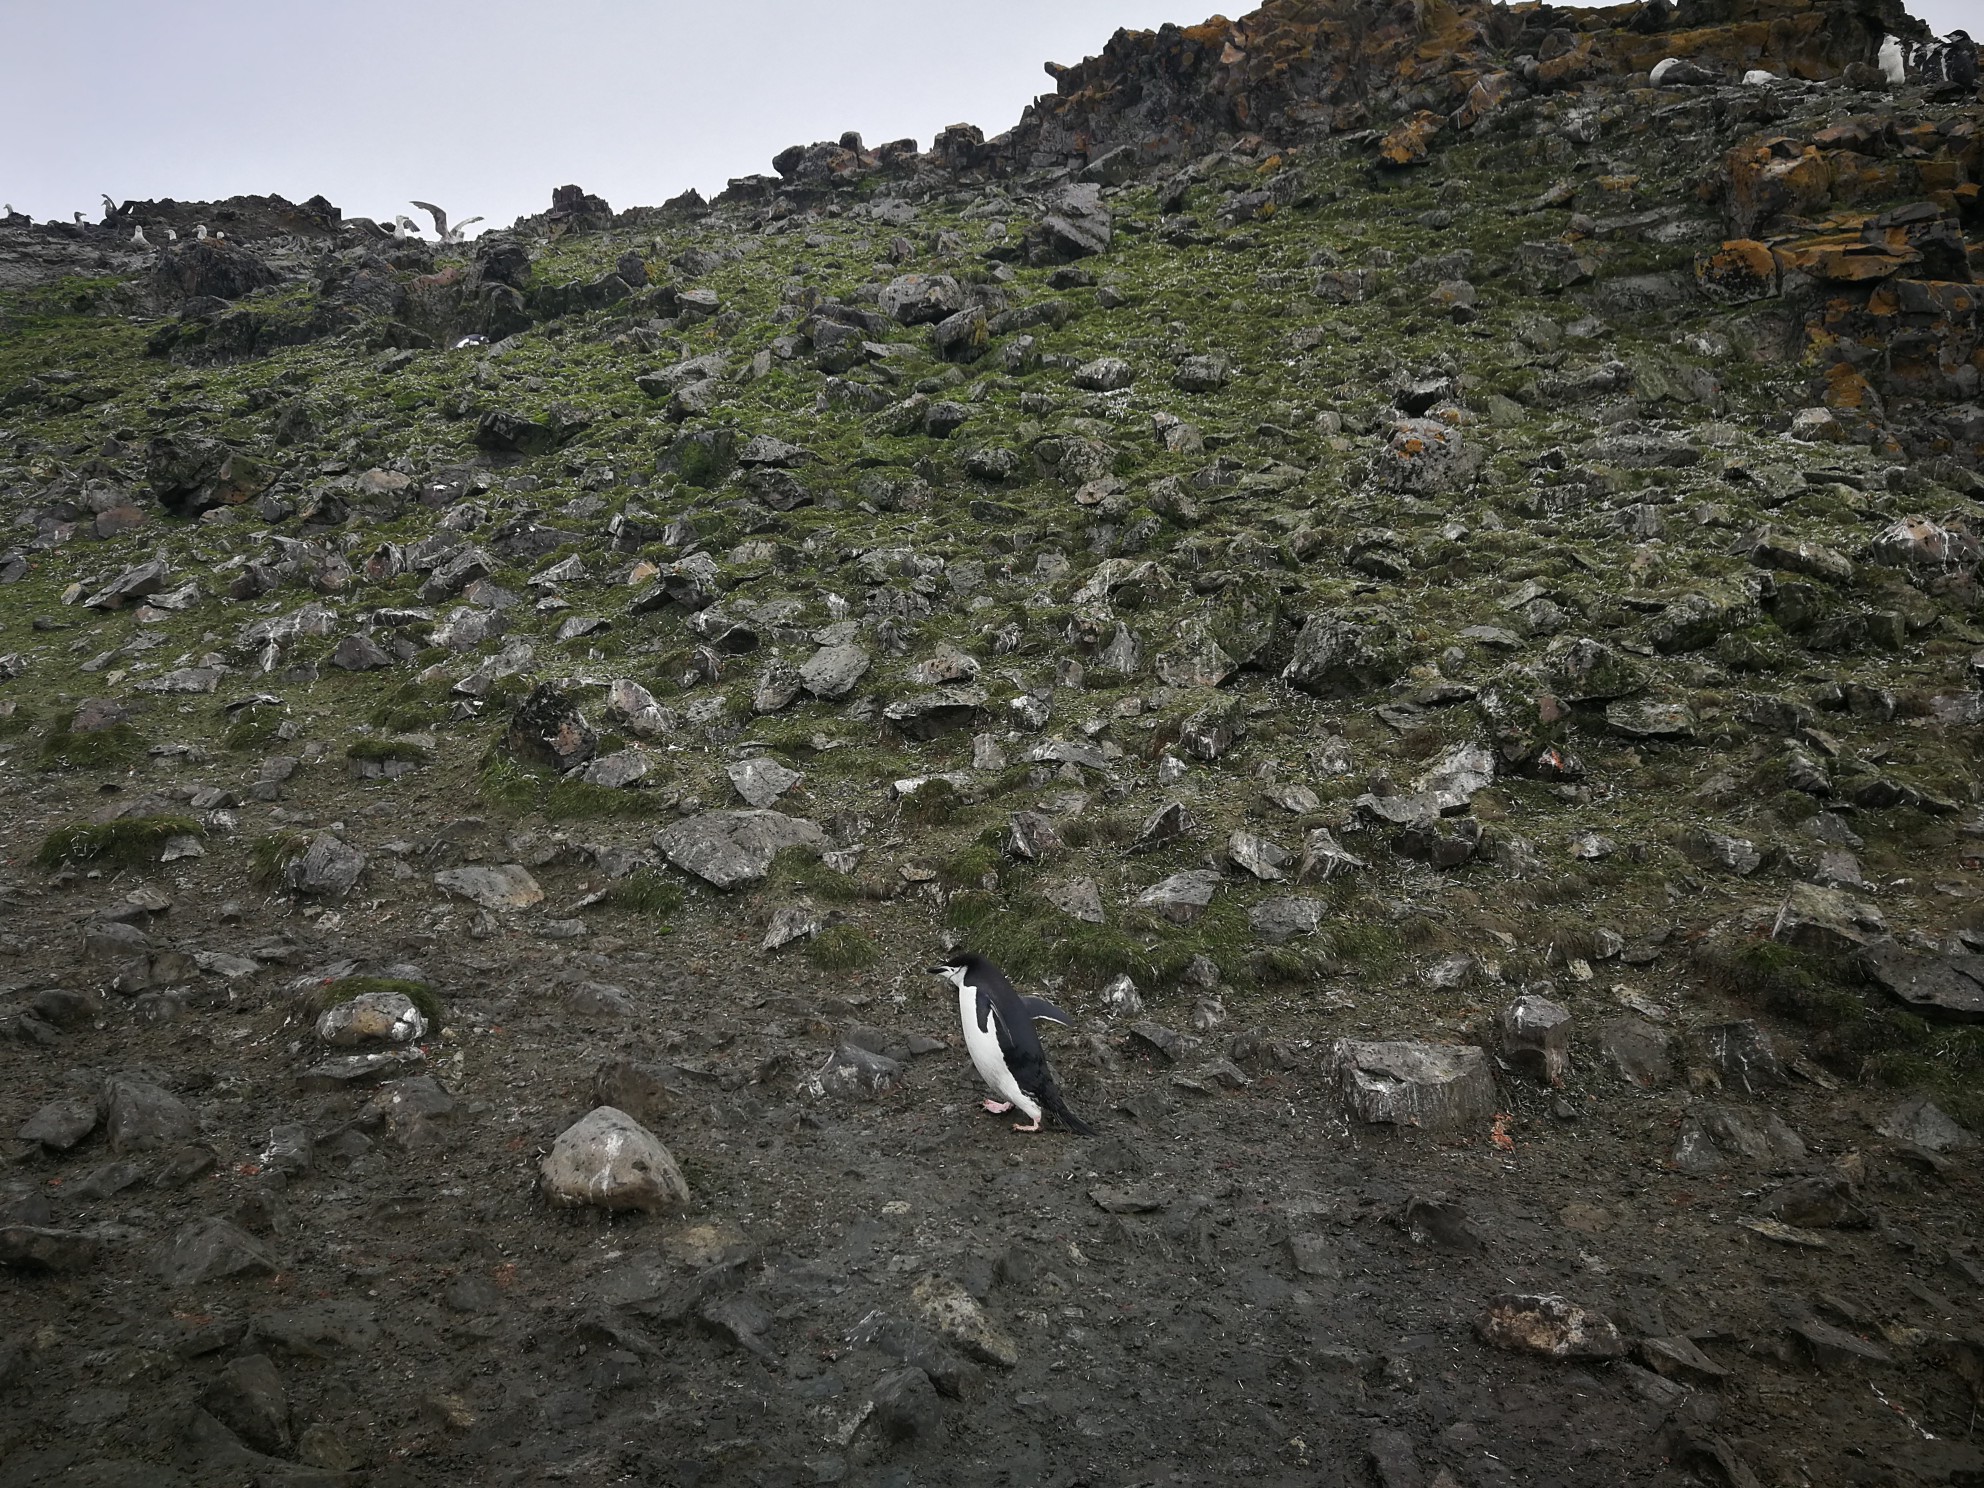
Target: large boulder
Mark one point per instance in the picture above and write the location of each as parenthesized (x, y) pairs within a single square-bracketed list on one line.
[(728, 848), (190, 475), (608, 1160), (212, 268), (1437, 1086)]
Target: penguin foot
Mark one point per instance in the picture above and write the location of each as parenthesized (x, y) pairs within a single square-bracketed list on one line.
[(998, 1108), (1034, 1128)]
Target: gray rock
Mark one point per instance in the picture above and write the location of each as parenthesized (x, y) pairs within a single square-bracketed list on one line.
[(921, 299), (1182, 897), (210, 1250), (138, 1117), (632, 707), (728, 848), (608, 1160), (1919, 1121), (616, 771), (501, 886), (832, 671), (598, 1000), (903, 1407), (1946, 988), (1262, 857), (1080, 899), (1637, 1050), (60, 1125), (1436, 1086), (1826, 920), (1739, 1054), (1163, 826), (1077, 224), (1536, 1038), (548, 730), (793, 922), (1323, 857), (925, 715), (761, 780), (1031, 837), (1710, 1133), (1105, 375), (42, 1248), (1651, 720), (328, 869), (1339, 654), (855, 1073), (248, 1398), (1281, 920)]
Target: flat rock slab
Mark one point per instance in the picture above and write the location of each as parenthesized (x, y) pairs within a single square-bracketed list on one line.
[(608, 1160), (728, 848), (1923, 1123), (1436, 1086), (761, 781), (1948, 988), (1182, 897), (209, 1250), (1548, 1325), (36, 1248), (138, 1117), (60, 1124), (508, 886)]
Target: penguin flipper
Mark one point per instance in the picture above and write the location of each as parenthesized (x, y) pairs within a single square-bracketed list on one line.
[(1040, 1009)]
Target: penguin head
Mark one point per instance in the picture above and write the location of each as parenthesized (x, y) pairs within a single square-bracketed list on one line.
[(954, 968)]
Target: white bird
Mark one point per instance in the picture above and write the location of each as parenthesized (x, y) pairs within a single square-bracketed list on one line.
[(200, 231), (441, 229), (404, 228), (109, 206), (171, 236), (79, 219), (1890, 60), (138, 237)]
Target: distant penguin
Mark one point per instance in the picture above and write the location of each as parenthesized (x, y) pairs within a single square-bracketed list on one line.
[(1891, 62), (1004, 1048), (138, 237)]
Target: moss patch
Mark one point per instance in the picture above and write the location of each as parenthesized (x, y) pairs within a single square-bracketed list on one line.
[(118, 844)]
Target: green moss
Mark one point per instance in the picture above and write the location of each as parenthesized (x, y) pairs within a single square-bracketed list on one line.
[(116, 748), (17, 722), (1821, 991), (647, 891), (383, 751), (118, 844), (932, 804), (843, 948), (420, 994)]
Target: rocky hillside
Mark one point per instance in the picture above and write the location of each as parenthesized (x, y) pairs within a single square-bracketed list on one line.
[(1422, 584)]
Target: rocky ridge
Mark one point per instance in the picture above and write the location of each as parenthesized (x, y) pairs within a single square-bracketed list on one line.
[(1423, 584)]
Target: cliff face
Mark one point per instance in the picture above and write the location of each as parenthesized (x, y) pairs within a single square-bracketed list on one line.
[(1296, 67)]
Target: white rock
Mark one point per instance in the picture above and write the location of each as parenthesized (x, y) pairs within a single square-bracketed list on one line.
[(610, 1161)]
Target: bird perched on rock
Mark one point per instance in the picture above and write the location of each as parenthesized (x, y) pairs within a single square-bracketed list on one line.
[(404, 228), (171, 236), (109, 206), (138, 236), (1950, 63), (441, 228), (200, 231), (1005, 1049)]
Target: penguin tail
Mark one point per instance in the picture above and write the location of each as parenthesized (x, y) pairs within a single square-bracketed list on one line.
[(1051, 1098)]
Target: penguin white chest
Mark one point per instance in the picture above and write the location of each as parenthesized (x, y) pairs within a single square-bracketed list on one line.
[(982, 1042)]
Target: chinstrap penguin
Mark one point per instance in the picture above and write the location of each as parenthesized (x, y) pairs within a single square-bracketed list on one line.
[(1005, 1050)]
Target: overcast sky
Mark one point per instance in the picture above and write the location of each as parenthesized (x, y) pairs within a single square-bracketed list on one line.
[(484, 105)]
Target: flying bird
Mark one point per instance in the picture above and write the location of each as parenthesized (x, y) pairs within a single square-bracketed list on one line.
[(1005, 1049), (441, 229)]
